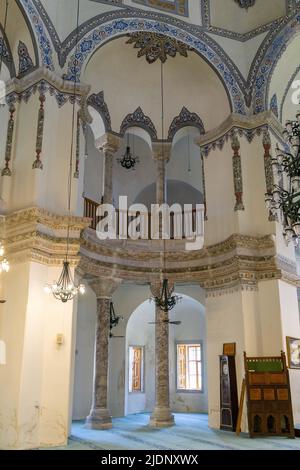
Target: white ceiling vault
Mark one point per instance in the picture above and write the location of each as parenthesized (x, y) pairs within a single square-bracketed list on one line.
[(242, 40)]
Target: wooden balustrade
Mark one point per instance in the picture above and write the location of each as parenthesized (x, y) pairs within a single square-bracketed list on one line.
[(178, 222)]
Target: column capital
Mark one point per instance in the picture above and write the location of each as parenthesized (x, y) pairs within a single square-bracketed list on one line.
[(162, 151), (105, 287), (109, 143), (235, 143)]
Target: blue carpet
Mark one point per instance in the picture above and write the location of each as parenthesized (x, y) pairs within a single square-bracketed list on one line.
[(190, 433)]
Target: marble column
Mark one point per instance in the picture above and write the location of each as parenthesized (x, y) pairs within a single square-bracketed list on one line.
[(109, 144), (161, 155), (99, 417), (161, 416)]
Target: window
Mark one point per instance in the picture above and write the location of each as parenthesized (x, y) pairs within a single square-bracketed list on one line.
[(189, 367), (136, 369)]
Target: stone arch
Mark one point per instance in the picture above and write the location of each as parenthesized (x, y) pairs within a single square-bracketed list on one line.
[(40, 39), (6, 53), (97, 33), (270, 61), (185, 119), (96, 101), (139, 119)]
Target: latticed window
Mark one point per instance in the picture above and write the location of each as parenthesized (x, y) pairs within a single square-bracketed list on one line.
[(136, 358), (189, 367)]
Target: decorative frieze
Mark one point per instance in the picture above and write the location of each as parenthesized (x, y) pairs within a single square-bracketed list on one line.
[(268, 168), (98, 103), (37, 164), (237, 174), (9, 141), (185, 119), (238, 261), (22, 89), (179, 7), (155, 46), (139, 119), (274, 105), (25, 61), (27, 238), (247, 127)]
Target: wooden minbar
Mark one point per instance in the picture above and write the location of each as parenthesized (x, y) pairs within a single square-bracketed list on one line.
[(268, 396)]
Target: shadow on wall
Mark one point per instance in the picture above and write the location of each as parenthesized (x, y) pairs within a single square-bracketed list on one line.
[(178, 192)]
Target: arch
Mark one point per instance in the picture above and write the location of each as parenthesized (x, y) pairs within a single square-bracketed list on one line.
[(191, 312), (7, 56), (141, 133), (139, 119), (96, 101), (270, 61), (286, 91), (200, 42), (37, 31), (185, 119)]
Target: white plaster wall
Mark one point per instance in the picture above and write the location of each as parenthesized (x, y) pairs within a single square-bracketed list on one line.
[(35, 382), (47, 188), (188, 82), (93, 169), (131, 182), (84, 355), (221, 221)]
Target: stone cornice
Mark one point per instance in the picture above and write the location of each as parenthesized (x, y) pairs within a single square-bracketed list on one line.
[(238, 261), (242, 125), (36, 234), (17, 85)]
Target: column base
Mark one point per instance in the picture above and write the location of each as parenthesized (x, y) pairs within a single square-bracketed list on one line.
[(161, 418), (99, 418)]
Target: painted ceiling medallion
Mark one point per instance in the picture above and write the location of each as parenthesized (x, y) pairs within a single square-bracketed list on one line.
[(245, 3), (156, 46)]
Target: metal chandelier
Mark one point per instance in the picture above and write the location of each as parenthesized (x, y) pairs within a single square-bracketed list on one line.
[(65, 289), (284, 201)]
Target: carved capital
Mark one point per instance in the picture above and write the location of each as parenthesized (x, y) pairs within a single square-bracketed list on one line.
[(105, 287), (162, 151), (109, 144)]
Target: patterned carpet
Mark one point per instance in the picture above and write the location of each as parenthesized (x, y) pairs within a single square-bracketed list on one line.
[(190, 433)]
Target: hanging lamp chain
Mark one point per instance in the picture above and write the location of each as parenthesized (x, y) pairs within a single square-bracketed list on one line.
[(65, 288)]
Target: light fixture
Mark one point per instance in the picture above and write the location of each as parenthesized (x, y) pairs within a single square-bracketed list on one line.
[(65, 288), (166, 301), (4, 264), (129, 160), (285, 198), (114, 319), (3, 51)]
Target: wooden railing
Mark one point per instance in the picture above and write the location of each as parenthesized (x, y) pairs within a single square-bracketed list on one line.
[(176, 220)]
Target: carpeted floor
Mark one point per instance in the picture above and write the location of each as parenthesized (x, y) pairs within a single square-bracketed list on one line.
[(190, 433)]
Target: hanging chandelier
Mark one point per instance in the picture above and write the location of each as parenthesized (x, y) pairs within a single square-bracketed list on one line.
[(166, 301), (284, 201), (114, 319), (4, 264), (65, 289), (129, 160)]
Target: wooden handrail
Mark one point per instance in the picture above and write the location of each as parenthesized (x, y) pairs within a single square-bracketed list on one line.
[(90, 211)]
